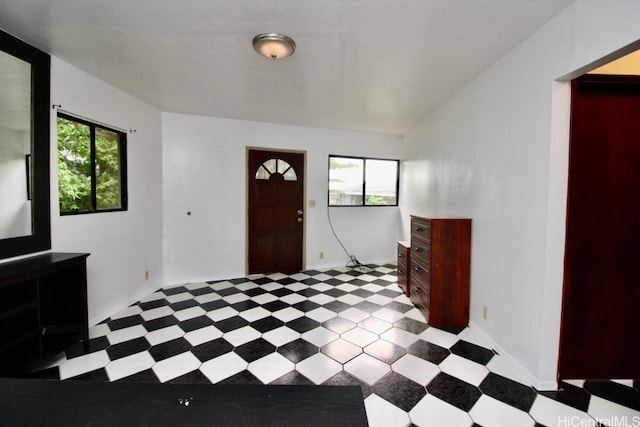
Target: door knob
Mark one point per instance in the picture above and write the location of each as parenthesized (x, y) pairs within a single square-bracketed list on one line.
[(299, 219), (299, 211)]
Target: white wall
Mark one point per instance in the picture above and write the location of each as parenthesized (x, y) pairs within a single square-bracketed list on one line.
[(15, 211), (204, 173), (497, 152), (123, 245)]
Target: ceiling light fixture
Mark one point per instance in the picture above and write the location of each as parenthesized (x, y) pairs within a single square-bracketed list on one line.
[(274, 46)]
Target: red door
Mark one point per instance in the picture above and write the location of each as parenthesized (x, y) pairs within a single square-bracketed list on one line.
[(601, 297), (276, 217)]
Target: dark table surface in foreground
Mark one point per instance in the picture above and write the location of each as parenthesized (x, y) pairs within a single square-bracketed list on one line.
[(70, 403)]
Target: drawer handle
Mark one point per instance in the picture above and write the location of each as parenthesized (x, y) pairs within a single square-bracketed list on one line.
[(400, 256), (417, 269), (419, 250), (400, 272), (419, 229)]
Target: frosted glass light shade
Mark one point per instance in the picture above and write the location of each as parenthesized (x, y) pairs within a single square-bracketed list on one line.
[(274, 46)]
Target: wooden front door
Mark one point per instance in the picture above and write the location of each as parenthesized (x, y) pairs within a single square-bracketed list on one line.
[(276, 217), (600, 335)]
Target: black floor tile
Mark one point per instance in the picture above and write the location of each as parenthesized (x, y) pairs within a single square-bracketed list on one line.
[(125, 322), (143, 377), (292, 378), (254, 350), (310, 281), (241, 378), (455, 330), (389, 293), (195, 323), (309, 292), (175, 290), (335, 292), (367, 306), (399, 390), (211, 349), (281, 292), (398, 306), (508, 391), (169, 349), (454, 391), (343, 378), (253, 292), (262, 280), (95, 344), (214, 305), (201, 291), (472, 351), (153, 304), (302, 324), (615, 392), (245, 305), (306, 306), (570, 395), (298, 350), (99, 375), (231, 324), (274, 306), (183, 305), (286, 281), (193, 377), (228, 291), (337, 306), (266, 324), (428, 351), (159, 323), (410, 325), (127, 348)]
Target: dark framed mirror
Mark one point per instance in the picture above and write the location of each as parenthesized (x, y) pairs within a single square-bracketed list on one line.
[(24, 148)]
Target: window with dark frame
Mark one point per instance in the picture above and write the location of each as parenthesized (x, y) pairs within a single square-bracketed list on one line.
[(362, 181), (92, 167)]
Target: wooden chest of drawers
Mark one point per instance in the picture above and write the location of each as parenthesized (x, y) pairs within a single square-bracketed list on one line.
[(440, 265), (404, 253)]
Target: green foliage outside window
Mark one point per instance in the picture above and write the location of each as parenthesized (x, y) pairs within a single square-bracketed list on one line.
[(77, 172)]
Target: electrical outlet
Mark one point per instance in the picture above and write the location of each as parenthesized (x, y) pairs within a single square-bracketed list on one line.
[(312, 203), (485, 312), (146, 275), (321, 255)]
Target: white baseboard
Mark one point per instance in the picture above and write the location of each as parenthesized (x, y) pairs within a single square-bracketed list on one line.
[(538, 384), (146, 291)]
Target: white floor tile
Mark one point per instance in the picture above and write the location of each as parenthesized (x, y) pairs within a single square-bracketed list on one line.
[(375, 325), (318, 368), (372, 287), (246, 286), (293, 298), (221, 314), (207, 297), (347, 287), (416, 369), (381, 413), (83, 364), (254, 314), (378, 299), (367, 368), (431, 411), (321, 299), (99, 330), (222, 367), (157, 313), (439, 337), (354, 314), (549, 412), (235, 298), (129, 311), (321, 314), (196, 285), (491, 412), (189, 313), (271, 286), (271, 367), (176, 366), (295, 287), (126, 334), (502, 366), (288, 314), (387, 314), (464, 369), (153, 297), (179, 297), (341, 350), (320, 336), (121, 368), (281, 336), (264, 298), (241, 336), (399, 337), (163, 335), (360, 337), (350, 299), (611, 413), (202, 335)]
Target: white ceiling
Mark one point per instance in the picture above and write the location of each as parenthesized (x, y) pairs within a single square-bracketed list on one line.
[(368, 65)]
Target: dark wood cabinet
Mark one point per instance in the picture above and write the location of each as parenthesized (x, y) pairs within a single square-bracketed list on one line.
[(43, 308), (404, 252), (440, 269)]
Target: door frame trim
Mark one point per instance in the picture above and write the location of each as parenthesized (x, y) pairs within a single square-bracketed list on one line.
[(249, 148)]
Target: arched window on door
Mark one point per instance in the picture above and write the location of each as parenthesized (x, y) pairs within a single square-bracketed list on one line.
[(276, 167)]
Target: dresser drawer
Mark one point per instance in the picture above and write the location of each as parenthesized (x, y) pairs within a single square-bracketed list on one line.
[(421, 228), (404, 256), (421, 252)]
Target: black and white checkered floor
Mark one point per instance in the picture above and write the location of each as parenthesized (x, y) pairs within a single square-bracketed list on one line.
[(333, 327)]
